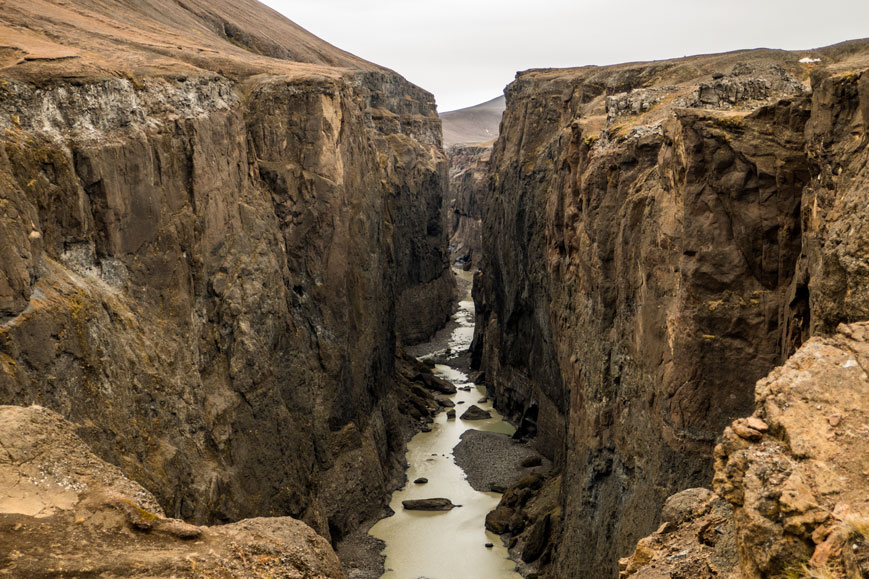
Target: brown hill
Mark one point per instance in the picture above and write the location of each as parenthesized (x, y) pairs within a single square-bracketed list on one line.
[(101, 37), (473, 125)]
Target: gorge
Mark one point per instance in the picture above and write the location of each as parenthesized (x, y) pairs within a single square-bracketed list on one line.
[(223, 240)]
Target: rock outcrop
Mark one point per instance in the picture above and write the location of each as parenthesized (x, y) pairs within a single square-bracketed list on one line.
[(658, 237), (215, 228), (792, 479), (65, 512)]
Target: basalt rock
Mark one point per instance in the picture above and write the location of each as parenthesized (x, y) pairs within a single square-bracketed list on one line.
[(474, 412), (211, 248), (65, 511), (657, 237), (790, 496), (469, 182), (437, 504)]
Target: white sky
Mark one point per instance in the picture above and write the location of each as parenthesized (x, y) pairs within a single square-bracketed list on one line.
[(466, 51)]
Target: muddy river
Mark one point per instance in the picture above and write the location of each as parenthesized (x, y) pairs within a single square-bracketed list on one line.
[(452, 544)]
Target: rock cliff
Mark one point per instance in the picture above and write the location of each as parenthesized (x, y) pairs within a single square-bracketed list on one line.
[(468, 135), (791, 480), (215, 229), (65, 512), (658, 237), (469, 183)]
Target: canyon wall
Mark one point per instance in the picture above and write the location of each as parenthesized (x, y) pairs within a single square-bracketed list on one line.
[(658, 237), (469, 183), (468, 137), (212, 242)]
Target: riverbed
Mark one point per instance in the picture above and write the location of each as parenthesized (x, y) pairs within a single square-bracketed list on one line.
[(452, 544)]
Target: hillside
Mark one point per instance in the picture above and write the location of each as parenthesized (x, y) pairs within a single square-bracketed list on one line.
[(473, 125)]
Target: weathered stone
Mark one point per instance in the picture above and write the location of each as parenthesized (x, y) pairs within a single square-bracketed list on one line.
[(498, 520), (436, 504), (756, 423), (687, 504), (436, 384), (537, 540), (741, 429), (208, 255), (61, 507), (795, 497), (633, 289), (469, 181), (474, 412), (445, 402)]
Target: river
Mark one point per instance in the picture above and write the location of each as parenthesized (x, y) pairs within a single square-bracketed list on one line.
[(446, 545)]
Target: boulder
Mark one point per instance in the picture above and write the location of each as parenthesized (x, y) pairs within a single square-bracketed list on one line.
[(537, 540), (474, 412), (436, 504), (498, 520)]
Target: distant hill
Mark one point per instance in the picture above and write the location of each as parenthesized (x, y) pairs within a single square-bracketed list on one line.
[(473, 125)]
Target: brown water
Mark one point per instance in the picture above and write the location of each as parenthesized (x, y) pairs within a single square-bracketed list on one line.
[(446, 545)]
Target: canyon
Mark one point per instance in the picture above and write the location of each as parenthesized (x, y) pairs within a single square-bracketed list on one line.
[(214, 246), (657, 237), (469, 135), (222, 237)]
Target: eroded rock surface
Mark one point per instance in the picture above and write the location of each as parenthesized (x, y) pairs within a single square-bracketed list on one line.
[(657, 238), (69, 513), (793, 477), (469, 183), (214, 230)]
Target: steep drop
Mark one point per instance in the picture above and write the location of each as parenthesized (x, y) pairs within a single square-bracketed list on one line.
[(451, 544), (658, 237), (214, 230)]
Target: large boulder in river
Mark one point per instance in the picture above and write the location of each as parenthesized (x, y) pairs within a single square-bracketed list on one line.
[(474, 412), (428, 504), (498, 520)]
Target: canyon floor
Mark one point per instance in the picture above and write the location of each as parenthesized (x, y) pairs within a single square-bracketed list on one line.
[(469, 462)]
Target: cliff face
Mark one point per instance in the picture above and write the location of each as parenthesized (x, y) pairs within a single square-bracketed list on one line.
[(468, 136), (790, 480), (657, 238), (469, 183), (210, 242)]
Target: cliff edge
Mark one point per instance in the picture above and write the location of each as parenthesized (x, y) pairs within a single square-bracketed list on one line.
[(215, 230), (657, 238)]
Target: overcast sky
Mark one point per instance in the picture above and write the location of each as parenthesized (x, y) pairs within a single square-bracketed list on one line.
[(466, 51)]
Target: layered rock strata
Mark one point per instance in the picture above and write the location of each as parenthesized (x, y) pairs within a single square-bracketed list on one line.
[(214, 230), (658, 237)]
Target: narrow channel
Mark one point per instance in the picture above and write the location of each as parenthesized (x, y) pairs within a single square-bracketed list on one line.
[(444, 545)]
